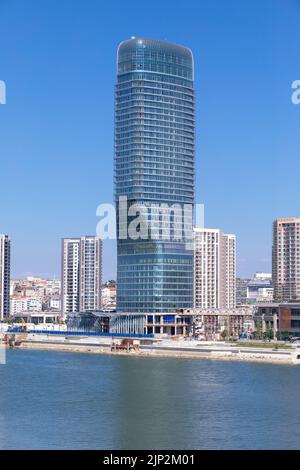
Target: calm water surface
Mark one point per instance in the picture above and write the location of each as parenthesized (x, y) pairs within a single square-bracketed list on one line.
[(51, 400)]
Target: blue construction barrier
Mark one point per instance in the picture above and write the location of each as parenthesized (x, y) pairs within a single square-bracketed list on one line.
[(82, 333)]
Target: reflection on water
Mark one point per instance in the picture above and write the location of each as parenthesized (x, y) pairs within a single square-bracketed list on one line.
[(54, 400)]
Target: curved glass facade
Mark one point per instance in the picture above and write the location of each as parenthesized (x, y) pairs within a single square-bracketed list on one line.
[(154, 166)]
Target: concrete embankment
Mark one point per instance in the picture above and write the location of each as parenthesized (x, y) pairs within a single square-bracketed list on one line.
[(166, 349)]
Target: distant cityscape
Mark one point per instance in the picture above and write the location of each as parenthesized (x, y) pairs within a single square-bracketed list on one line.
[(272, 299)]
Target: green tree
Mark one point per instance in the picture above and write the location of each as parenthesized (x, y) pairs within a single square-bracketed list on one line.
[(270, 332), (278, 335), (224, 334), (285, 336), (258, 329)]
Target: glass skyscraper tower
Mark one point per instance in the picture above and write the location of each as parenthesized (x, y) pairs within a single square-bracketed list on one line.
[(154, 167)]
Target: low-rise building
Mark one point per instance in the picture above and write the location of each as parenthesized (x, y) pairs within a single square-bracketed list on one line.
[(169, 324), (216, 324), (282, 318), (206, 324), (260, 288), (54, 303), (241, 290), (19, 304), (257, 289), (34, 294), (108, 296), (38, 317)]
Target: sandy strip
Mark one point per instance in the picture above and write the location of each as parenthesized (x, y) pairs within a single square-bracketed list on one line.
[(215, 355)]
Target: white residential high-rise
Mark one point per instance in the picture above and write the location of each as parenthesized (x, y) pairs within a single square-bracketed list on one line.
[(4, 276), (206, 268), (214, 269), (81, 274), (90, 261), (228, 271), (70, 275), (286, 259)]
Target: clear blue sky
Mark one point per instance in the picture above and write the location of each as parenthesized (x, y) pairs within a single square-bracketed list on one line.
[(57, 58)]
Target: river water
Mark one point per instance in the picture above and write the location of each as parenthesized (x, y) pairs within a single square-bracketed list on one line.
[(57, 400)]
